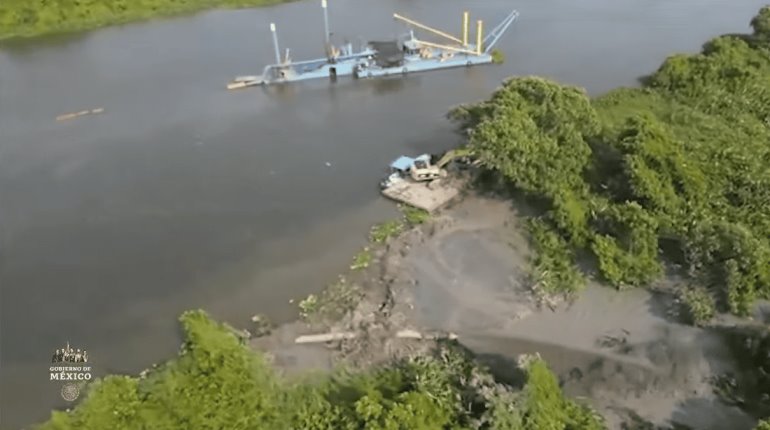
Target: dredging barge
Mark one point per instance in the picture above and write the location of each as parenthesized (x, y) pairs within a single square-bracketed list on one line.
[(406, 55)]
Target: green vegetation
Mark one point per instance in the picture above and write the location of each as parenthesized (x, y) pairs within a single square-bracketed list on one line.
[(554, 269), (497, 56), (414, 216), (333, 303), (383, 232), (36, 17), (217, 383), (387, 230), (763, 425), (362, 259), (697, 305), (676, 171)]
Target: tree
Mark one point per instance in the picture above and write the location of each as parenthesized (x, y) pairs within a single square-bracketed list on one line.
[(681, 161), (216, 383), (761, 23)]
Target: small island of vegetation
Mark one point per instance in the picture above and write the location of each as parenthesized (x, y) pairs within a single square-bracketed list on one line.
[(24, 18)]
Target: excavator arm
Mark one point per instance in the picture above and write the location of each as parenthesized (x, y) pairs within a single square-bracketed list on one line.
[(453, 155)]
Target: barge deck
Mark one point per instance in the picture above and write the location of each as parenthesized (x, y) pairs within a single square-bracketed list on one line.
[(377, 59)]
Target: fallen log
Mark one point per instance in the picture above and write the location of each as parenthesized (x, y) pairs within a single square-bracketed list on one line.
[(77, 114), (328, 337), (411, 334), (402, 334)]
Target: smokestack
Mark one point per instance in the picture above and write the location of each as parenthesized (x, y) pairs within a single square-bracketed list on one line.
[(479, 26), (275, 44), (465, 29)]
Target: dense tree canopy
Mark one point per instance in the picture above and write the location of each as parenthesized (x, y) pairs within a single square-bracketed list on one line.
[(681, 165), (33, 17), (218, 383)]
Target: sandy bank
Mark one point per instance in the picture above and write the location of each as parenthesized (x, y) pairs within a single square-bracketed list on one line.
[(466, 272)]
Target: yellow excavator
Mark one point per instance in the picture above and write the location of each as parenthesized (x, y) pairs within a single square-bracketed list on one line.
[(424, 170)]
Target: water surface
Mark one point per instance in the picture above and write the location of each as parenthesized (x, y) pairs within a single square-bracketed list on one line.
[(183, 195)]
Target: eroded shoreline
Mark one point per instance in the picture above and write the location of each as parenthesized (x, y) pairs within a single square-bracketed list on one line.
[(465, 271)]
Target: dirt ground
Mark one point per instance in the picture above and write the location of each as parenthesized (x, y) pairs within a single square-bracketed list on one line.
[(465, 272)]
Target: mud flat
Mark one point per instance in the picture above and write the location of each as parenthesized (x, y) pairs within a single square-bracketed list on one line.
[(465, 272)]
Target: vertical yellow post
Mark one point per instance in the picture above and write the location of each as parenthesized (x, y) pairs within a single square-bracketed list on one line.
[(465, 29), (478, 36)]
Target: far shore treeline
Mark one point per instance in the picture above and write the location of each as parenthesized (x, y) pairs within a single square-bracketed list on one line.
[(677, 171), (24, 18)]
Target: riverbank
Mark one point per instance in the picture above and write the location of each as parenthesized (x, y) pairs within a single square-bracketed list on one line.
[(625, 190), (20, 18), (466, 272)]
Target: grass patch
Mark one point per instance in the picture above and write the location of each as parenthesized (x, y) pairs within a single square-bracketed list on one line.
[(414, 216), (362, 259), (381, 233), (497, 56), (332, 304)]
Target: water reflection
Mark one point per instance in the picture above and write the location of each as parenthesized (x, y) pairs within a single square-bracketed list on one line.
[(392, 84)]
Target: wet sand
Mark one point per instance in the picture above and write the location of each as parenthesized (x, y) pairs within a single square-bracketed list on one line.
[(659, 370), (465, 272)]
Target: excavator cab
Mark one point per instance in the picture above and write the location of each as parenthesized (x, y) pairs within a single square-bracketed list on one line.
[(423, 170)]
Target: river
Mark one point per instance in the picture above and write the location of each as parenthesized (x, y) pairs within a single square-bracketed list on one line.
[(183, 195)]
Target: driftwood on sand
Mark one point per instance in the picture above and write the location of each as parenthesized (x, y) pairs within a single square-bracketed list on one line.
[(402, 334), (77, 114), (327, 337)]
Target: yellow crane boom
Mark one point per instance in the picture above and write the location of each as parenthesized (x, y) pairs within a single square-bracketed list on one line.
[(425, 27), (448, 48), (466, 16)]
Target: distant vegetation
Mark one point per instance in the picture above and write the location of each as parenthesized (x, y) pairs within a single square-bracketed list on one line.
[(36, 17), (676, 171), (218, 383)]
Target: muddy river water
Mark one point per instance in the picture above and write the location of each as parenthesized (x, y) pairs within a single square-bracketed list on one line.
[(182, 195)]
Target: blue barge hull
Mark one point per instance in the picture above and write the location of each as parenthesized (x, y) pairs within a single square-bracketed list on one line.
[(424, 65)]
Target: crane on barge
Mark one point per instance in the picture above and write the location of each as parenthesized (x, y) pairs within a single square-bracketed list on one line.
[(339, 61), (420, 55), (383, 58)]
